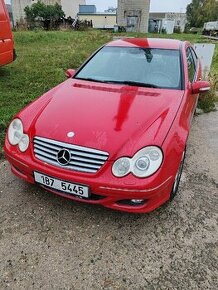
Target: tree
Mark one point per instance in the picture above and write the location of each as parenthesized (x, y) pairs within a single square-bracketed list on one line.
[(50, 15), (111, 9), (200, 11), (210, 10)]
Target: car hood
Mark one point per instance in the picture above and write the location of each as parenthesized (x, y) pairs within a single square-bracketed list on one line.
[(114, 118)]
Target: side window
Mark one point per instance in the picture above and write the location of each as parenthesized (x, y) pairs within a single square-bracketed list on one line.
[(194, 55), (191, 65)]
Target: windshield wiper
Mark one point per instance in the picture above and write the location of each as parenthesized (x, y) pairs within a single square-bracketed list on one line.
[(130, 83), (138, 84), (92, 80)]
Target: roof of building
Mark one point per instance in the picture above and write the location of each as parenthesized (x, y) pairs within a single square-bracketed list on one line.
[(98, 13), (173, 13), (147, 43)]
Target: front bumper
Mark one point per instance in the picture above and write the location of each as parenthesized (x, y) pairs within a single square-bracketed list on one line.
[(106, 190)]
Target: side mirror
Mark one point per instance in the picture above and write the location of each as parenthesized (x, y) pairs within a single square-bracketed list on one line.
[(70, 73), (200, 87)]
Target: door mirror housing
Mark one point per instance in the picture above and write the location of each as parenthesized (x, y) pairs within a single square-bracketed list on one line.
[(70, 73), (200, 87)]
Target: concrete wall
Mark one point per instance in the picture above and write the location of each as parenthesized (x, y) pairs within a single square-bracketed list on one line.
[(133, 15), (71, 7), (18, 9), (100, 20), (179, 18)]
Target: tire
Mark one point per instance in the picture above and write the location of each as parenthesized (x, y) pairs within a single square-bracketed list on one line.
[(178, 177)]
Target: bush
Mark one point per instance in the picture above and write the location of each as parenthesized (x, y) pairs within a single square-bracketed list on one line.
[(177, 29), (50, 15), (207, 100)]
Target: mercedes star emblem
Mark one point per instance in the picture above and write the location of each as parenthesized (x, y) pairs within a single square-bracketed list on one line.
[(63, 157)]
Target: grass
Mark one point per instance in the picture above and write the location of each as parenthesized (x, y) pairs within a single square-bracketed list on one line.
[(42, 59)]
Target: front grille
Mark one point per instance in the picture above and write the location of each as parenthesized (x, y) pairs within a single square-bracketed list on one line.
[(82, 159)]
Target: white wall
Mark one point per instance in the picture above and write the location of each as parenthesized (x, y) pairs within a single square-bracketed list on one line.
[(139, 8), (18, 9), (71, 7)]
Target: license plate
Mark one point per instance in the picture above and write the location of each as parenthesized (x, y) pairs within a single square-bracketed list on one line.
[(61, 185)]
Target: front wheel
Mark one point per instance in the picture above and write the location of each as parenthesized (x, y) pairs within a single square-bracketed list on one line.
[(178, 177)]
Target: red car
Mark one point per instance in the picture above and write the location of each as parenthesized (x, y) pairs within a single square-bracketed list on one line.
[(7, 52), (115, 132)]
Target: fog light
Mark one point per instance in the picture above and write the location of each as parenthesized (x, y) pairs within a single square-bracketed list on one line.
[(137, 201), (132, 202)]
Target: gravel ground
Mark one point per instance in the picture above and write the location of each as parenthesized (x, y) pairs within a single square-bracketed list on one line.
[(47, 242)]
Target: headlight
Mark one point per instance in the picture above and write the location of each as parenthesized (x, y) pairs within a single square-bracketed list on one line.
[(121, 167), (147, 161), (24, 143), (16, 135), (143, 164), (15, 132)]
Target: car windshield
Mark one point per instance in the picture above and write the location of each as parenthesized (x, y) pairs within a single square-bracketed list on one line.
[(157, 68)]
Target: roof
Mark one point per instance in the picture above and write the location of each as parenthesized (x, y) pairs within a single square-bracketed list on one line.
[(98, 13), (165, 13), (147, 42)]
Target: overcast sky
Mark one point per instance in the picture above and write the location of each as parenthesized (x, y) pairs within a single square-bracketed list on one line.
[(156, 5)]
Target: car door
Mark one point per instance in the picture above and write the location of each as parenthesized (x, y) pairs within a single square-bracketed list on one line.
[(6, 41)]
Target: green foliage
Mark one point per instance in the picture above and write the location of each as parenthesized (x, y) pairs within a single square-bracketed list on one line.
[(207, 100), (214, 70), (49, 14), (201, 11), (177, 29)]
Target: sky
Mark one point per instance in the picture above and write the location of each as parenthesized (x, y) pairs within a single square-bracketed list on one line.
[(156, 5)]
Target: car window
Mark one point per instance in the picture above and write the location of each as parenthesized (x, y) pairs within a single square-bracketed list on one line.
[(194, 55), (191, 65), (160, 67)]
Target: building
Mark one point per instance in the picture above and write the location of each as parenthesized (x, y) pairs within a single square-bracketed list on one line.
[(157, 20), (100, 20), (133, 15), (70, 7), (87, 9)]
